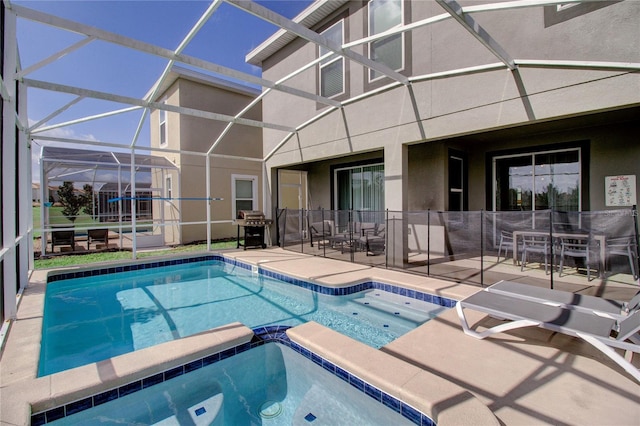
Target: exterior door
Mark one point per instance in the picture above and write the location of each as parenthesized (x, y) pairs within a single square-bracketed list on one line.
[(292, 195), (292, 189)]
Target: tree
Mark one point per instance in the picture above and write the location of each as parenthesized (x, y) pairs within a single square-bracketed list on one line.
[(71, 203), (87, 196)]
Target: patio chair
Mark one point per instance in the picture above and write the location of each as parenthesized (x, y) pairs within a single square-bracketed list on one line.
[(97, 236), (564, 299), (374, 240), (319, 231), (602, 333), (506, 243), (62, 238), (624, 246), (360, 229), (360, 232), (576, 248), (535, 244)]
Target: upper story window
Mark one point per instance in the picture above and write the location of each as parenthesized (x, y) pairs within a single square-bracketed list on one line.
[(163, 126), (332, 68), (385, 15)]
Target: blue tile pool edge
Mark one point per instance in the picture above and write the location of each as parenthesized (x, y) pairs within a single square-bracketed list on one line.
[(333, 291), (262, 335)]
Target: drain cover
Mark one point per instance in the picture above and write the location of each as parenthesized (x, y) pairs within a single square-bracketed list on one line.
[(270, 409)]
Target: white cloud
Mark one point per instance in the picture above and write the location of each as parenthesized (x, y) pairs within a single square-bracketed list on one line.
[(62, 133)]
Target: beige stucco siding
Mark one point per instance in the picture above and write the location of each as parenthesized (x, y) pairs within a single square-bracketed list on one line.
[(199, 134), (237, 153)]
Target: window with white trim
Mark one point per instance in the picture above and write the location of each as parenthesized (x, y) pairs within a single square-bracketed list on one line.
[(163, 126), (332, 68), (383, 16), (168, 187), (244, 193)]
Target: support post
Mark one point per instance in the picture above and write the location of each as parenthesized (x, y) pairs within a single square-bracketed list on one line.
[(134, 198), (208, 189), (9, 182)]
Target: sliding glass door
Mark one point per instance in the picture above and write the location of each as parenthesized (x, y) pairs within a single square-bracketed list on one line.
[(360, 188)]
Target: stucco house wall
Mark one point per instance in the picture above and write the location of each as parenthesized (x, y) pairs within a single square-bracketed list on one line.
[(471, 104)]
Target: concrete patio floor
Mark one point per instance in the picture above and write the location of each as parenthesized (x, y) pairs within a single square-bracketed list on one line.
[(524, 377)]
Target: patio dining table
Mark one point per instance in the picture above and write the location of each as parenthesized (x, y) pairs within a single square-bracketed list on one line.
[(600, 238)]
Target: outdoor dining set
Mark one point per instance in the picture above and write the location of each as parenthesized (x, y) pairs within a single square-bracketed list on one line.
[(587, 250)]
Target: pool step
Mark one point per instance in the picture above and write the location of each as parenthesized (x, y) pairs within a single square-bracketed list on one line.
[(202, 413), (409, 309), (320, 407), (205, 412)]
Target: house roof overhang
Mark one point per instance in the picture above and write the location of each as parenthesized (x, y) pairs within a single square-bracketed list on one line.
[(178, 72), (309, 17)]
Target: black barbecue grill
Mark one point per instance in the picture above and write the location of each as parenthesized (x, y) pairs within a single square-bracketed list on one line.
[(253, 222)]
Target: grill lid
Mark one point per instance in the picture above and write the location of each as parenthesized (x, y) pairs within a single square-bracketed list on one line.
[(252, 218), (250, 215)]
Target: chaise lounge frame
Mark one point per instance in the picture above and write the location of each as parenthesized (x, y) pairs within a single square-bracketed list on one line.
[(581, 302), (601, 332)]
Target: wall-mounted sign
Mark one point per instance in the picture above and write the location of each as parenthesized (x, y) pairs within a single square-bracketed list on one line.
[(620, 191)]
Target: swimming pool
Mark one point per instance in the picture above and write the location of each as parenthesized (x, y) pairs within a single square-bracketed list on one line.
[(269, 384), (106, 313)]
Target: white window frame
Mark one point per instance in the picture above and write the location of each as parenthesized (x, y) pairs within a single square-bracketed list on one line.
[(459, 191), (564, 6), (331, 61), (369, 45), (341, 169), (168, 187), (162, 122), (254, 192)]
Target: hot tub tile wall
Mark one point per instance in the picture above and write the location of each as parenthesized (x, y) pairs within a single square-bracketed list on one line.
[(262, 335)]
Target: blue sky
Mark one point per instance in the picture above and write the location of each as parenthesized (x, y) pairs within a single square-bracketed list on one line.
[(226, 38)]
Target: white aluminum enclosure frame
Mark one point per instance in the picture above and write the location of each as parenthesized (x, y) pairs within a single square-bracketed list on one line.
[(17, 133), (70, 162)]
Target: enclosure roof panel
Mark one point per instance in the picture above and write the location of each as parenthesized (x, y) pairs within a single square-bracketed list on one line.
[(98, 168), (70, 156)]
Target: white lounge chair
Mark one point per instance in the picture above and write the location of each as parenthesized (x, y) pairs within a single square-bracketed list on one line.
[(564, 299), (592, 328)]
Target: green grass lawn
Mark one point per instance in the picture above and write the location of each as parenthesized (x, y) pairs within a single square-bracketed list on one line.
[(86, 221), (84, 259), (57, 218)]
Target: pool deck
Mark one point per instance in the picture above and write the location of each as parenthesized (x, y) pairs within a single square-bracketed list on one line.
[(523, 377)]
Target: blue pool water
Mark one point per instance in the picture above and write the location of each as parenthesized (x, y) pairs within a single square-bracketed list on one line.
[(267, 385), (95, 318)]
